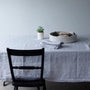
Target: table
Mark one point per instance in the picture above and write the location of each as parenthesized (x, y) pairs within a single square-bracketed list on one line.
[(71, 63)]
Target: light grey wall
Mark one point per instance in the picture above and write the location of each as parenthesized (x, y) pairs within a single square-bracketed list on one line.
[(22, 17)]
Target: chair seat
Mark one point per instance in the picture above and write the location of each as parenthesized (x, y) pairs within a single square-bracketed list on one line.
[(29, 83)]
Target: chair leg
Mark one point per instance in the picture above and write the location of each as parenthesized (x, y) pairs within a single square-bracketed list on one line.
[(44, 87), (38, 88), (15, 88)]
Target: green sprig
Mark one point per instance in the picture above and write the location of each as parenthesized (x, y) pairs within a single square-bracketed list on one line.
[(40, 29)]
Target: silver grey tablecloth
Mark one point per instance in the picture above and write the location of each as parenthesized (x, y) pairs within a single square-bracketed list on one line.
[(71, 63)]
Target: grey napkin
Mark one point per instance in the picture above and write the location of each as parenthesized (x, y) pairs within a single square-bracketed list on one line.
[(55, 45), (88, 46)]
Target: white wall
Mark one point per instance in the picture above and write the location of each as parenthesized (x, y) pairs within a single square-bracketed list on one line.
[(22, 17)]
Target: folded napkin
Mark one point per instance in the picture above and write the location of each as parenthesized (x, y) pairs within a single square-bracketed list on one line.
[(88, 46), (49, 44)]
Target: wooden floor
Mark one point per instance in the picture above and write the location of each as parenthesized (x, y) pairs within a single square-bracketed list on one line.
[(55, 86), (69, 86)]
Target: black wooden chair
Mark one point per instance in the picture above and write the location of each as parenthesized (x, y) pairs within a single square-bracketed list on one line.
[(21, 82)]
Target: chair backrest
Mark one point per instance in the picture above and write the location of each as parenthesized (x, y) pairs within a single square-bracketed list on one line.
[(15, 52)]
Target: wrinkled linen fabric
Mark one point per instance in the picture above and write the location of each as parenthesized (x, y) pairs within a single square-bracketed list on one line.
[(71, 63)]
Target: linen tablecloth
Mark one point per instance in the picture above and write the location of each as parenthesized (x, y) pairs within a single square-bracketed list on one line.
[(71, 63)]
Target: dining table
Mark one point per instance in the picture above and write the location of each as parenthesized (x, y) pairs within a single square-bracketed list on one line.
[(69, 63)]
